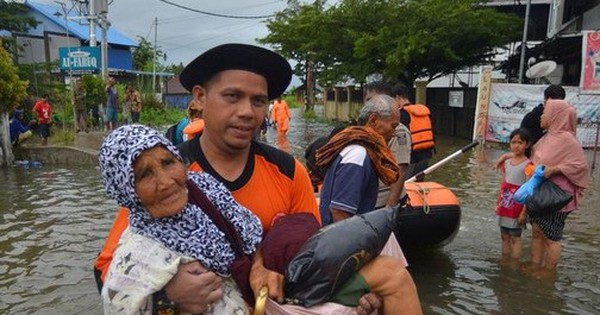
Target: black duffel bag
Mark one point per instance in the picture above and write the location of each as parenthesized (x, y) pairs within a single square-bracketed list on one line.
[(335, 254)]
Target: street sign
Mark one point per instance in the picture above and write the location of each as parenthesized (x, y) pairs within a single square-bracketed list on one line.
[(79, 59)]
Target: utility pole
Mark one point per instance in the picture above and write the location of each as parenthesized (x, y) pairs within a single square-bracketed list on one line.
[(524, 42), (92, 21), (104, 45), (154, 59), (100, 8)]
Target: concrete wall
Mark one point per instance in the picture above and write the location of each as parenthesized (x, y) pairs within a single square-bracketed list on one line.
[(84, 151), (58, 155)]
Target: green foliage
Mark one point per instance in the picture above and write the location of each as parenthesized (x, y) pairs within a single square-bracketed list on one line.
[(94, 89), (14, 18), (176, 69), (41, 78), (143, 56), (149, 101), (12, 89), (62, 136), (157, 117), (403, 39), (291, 101), (309, 114)]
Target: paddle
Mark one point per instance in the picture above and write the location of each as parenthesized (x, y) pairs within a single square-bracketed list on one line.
[(435, 166)]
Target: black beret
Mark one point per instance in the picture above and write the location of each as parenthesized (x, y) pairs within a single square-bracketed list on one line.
[(273, 67)]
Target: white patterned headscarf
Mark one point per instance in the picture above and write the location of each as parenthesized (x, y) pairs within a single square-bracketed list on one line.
[(189, 233)]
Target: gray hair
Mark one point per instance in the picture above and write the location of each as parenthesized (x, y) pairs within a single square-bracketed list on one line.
[(381, 104)]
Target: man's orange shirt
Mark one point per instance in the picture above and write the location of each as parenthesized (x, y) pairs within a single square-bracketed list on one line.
[(281, 111)]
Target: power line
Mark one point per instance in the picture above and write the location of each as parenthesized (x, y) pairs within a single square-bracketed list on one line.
[(188, 44), (218, 14)]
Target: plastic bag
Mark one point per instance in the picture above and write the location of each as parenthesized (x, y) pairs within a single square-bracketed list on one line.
[(548, 198), (333, 255), (527, 189)]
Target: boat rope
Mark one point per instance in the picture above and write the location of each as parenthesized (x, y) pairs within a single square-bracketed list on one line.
[(423, 192)]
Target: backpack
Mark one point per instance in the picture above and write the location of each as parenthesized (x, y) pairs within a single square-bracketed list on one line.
[(317, 174), (171, 132)]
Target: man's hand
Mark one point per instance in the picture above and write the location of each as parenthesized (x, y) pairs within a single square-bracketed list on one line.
[(261, 276), (193, 288), (368, 304)]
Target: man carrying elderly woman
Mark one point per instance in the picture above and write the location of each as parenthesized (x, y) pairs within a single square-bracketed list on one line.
[(233, 84)]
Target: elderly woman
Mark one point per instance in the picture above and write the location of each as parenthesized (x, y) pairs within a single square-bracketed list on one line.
[(565, 165), (144, 172)]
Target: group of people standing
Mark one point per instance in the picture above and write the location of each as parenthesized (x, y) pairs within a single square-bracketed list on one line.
[(131, 108), (547, 137), (167, 251)]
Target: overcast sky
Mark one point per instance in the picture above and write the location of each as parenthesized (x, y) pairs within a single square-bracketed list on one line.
[(183, 34)]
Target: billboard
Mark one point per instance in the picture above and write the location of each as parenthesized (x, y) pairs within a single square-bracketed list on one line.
[(510, 102), (80, 59), (590, 68)]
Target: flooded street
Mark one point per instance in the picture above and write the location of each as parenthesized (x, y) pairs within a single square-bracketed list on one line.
[(53, 221)]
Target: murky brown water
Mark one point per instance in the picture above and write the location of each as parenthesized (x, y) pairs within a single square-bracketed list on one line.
[(53, 222)]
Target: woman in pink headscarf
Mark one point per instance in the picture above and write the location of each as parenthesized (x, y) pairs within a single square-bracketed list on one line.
[(565, 165)]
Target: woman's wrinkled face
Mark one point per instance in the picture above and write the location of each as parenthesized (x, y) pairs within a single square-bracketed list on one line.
[(160, 182)]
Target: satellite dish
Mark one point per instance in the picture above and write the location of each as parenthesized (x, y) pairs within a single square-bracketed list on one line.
[(540, 69)]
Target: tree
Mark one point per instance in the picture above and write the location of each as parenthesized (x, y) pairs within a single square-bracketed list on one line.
[(174, 68), (143, 56), (294, 34), (14, 18), (12, 91), (402, 39)]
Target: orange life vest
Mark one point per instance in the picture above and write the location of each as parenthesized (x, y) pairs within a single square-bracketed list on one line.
[(193, 128), (421, 132)]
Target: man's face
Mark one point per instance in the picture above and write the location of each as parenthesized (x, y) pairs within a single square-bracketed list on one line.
[(234, 104), (386, 126), (400, 101)]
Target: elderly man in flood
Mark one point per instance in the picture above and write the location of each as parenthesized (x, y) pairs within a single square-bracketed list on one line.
[(356, 159)]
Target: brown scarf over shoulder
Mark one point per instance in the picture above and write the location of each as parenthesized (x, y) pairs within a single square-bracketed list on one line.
[(384, 162)]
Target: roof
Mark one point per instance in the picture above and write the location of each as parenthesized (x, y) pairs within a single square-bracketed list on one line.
[(175, 87), (76, 28)]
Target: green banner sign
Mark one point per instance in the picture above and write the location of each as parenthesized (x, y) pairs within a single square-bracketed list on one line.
[(79, 59)]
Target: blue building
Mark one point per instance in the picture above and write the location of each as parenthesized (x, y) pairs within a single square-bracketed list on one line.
[(58, 28)]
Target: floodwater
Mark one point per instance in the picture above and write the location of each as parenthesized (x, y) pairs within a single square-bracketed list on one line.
[(53, 221)]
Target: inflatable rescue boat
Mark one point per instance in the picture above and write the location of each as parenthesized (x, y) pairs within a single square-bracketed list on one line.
[(431, 218)]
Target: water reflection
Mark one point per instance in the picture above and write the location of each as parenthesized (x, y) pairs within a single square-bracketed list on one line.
[(53, 222)]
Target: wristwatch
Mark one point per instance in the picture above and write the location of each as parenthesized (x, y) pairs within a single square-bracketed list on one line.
[(161, 305)]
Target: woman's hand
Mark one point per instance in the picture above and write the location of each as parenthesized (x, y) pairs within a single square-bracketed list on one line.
[(368, 303), (550, 171), (193, 288), (523, 217)]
